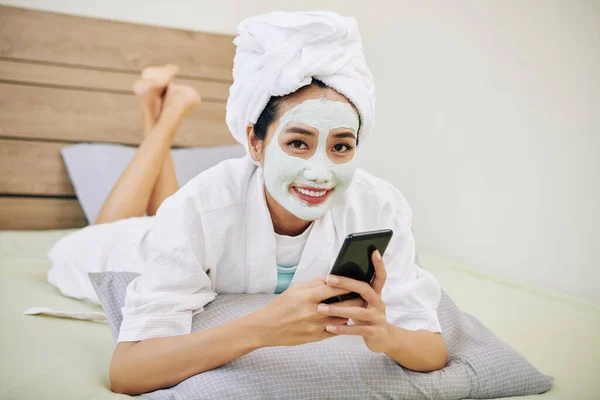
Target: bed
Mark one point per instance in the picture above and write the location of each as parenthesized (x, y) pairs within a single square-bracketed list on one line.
[(57, 88), (52, 358)]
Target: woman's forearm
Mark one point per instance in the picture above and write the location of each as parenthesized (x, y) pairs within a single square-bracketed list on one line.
[(421, 351), (140, 367)]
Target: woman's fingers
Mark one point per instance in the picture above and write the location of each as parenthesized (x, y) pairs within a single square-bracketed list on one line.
[(380, 272), (356, 330), (335, 321), (364, 315), (323, 292), (352, 285), (358, 302)]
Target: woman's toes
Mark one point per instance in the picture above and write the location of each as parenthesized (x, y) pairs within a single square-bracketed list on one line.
[(181, 97), (141, 87), (160, 75)]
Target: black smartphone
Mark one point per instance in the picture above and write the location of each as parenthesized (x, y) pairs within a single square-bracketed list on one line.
[(354, 259)]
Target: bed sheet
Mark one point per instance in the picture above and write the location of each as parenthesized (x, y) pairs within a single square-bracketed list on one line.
[(45, 357), (52, 358), (556, 333)]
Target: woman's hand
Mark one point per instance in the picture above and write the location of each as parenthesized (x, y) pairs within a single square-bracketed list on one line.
[(293, 317), (370, 321)]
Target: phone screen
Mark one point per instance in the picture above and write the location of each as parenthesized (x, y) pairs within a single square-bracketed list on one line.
[(354, 259)]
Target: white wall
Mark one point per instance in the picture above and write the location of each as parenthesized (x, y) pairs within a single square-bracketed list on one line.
[(488, 121)]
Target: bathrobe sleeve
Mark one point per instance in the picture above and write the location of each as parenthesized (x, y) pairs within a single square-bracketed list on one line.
[(411, 294), (174, 285)]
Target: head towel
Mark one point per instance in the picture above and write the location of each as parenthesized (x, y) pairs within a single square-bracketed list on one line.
[(280, 52)]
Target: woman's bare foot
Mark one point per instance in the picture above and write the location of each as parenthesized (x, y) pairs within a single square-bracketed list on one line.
[(150, 91), (181, 99)]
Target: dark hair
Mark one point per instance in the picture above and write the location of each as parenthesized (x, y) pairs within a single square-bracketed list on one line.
[(271, 112)]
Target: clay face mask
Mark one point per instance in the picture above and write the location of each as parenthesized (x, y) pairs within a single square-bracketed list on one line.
[(308, 187)]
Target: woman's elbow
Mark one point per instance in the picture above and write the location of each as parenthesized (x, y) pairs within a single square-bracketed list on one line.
[(439, 358), (118, 384), (120, 381), (433, 362), (434, 359)]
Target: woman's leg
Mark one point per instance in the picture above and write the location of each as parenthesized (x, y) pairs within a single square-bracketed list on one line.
[(166, 185), (132, 194), (151, 106)]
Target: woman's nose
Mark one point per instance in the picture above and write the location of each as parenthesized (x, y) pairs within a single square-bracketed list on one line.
[(318, 175)]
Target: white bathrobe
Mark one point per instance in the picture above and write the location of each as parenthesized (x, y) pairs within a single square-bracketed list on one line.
[(215, 235)]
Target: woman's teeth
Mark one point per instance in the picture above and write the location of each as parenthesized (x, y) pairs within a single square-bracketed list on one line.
[(311, 192)]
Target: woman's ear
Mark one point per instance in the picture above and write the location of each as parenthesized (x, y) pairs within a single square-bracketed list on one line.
[(255, 145)]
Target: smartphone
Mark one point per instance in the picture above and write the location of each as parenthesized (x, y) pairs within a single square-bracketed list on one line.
[(354, 259)]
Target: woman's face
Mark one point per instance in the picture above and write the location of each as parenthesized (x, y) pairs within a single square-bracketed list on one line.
[(309, 151)]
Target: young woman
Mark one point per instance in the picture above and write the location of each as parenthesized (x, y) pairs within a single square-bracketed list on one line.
[(272, 222)]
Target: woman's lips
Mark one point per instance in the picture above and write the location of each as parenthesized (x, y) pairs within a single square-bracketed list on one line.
[(311, 195)]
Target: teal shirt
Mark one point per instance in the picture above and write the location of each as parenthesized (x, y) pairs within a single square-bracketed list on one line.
[(284, 277)]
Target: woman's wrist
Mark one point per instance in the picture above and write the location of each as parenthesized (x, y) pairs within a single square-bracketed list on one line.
[(256, 329)]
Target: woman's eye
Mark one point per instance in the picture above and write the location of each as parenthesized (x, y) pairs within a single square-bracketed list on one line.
[(341, 147), (298, 144)]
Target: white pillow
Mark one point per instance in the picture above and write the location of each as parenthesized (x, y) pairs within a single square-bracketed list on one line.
[(94, 168)]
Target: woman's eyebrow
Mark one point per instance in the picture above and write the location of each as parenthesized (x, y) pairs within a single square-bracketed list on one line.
[(346, 134), (300, 130)]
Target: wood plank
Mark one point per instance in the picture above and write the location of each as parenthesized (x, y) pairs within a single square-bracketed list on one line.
[(30, 167), (21, 213), (79, 116), (73, 77), (66, 39)]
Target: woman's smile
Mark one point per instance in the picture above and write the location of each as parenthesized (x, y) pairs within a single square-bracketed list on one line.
[(311, 195)]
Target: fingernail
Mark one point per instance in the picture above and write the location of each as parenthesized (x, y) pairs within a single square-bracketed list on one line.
[(331, 328), (323, 308), (377, 255), (334, 280)]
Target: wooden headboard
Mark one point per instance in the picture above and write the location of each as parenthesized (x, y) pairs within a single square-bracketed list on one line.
[(67, 79)]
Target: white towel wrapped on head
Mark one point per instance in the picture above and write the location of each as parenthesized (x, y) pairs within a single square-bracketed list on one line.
[(280, 52)]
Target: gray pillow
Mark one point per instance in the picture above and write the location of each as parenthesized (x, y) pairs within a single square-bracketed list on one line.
[(480, 365), (94, 168)]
